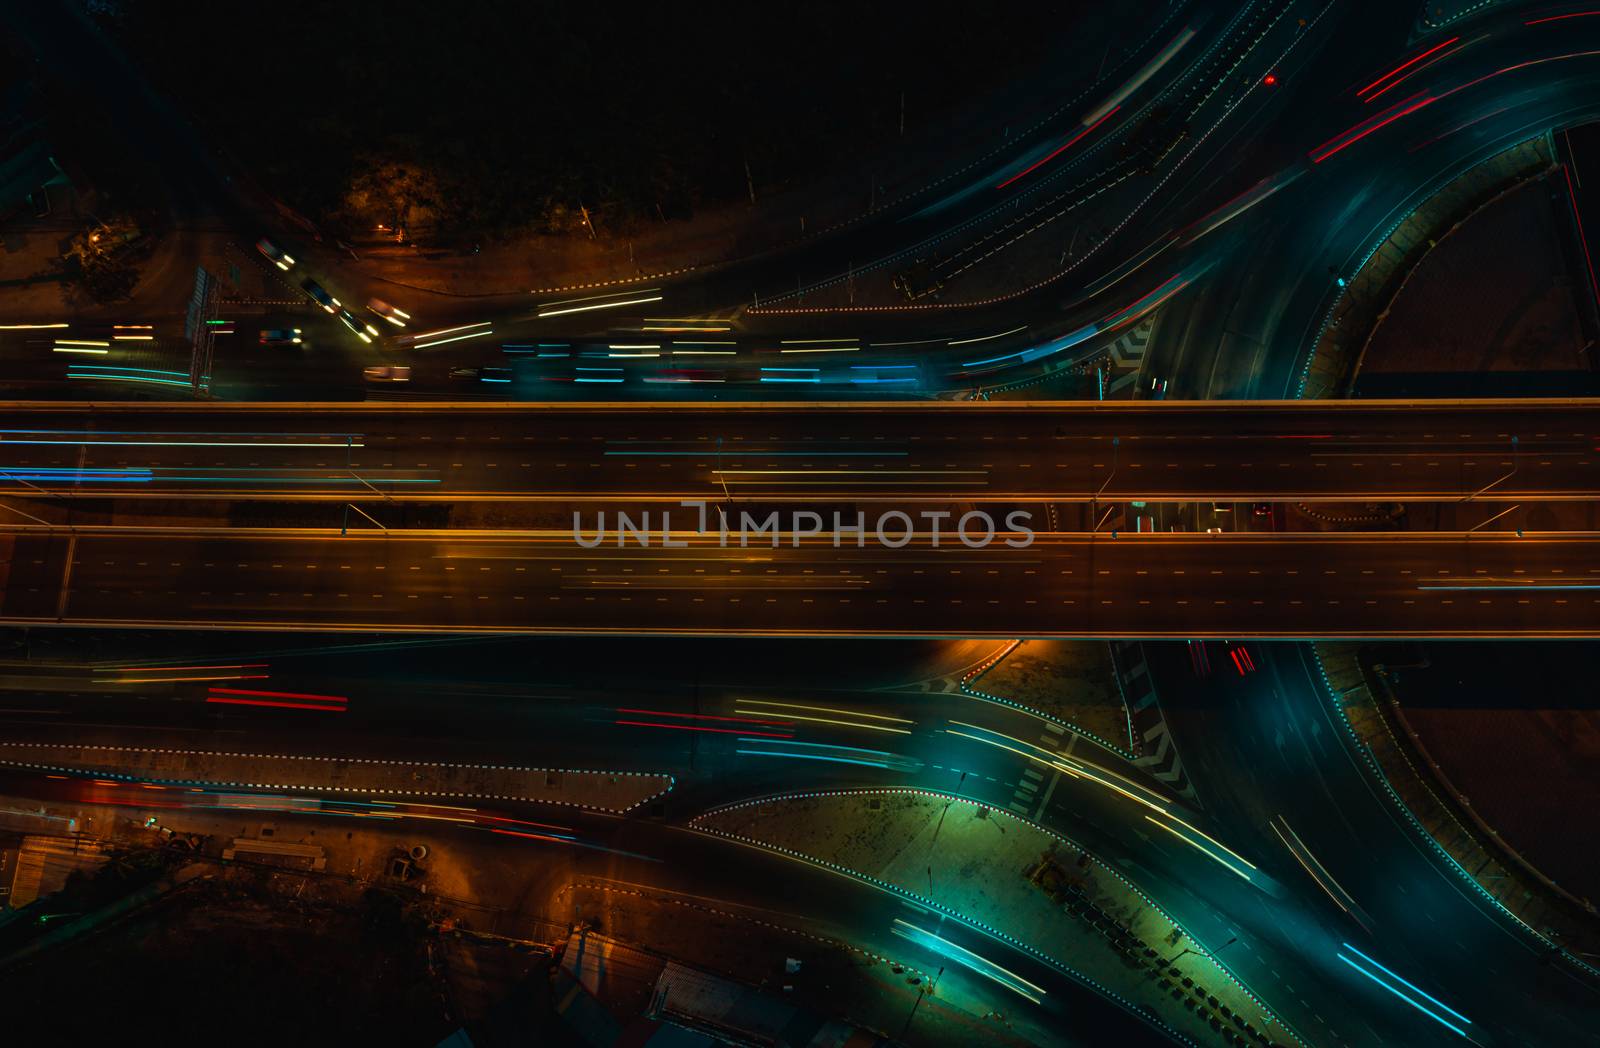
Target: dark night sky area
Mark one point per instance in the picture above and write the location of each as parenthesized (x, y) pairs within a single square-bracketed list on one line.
[(509, 113)]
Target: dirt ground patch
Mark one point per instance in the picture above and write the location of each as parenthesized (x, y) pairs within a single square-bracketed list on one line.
[(1524, 751), (1072, 681), (225, 961), (1495, 296)]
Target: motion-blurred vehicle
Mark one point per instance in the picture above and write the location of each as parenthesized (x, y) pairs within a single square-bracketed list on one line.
[(684, 375), (280, 336), (362, 330), (482, 374), (275, 254), (320, 295), (388, 374), (392, 314)]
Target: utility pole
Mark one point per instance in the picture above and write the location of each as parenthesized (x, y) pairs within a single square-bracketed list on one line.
[(932, 840), (922, 991), (1094, 502), (202, 308), (1515, 463)]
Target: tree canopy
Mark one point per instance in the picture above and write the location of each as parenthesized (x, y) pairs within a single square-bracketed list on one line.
[(501, 116)]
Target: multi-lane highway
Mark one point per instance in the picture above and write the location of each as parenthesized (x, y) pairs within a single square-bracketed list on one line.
[(807, 452), (1073, 585)]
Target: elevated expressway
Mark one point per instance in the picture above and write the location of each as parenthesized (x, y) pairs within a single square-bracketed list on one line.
[(809, 451), (133, 515)]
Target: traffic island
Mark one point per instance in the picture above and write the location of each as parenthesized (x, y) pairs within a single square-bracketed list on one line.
[(1368, 294), (994, 871), (1070, 682)]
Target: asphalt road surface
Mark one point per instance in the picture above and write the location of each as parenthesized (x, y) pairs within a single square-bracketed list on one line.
[(1111, 451), (1063, 585), (1266, 750)]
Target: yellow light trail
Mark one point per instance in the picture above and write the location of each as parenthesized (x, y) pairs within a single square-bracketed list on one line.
[(170, 680), (1052, 765), (985, 338), (686, 330), (1309, 871), (573, 307), (174, 669), (1200, 848), (450, 330), (1055, 761), (1212, 839), (452, 338), (436, 818), (825, 709), (1120, 778), (826, 720)]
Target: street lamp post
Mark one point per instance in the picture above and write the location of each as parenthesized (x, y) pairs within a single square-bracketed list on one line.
[(1094, 501), (940, 826), (349, 444), (922, 991)]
